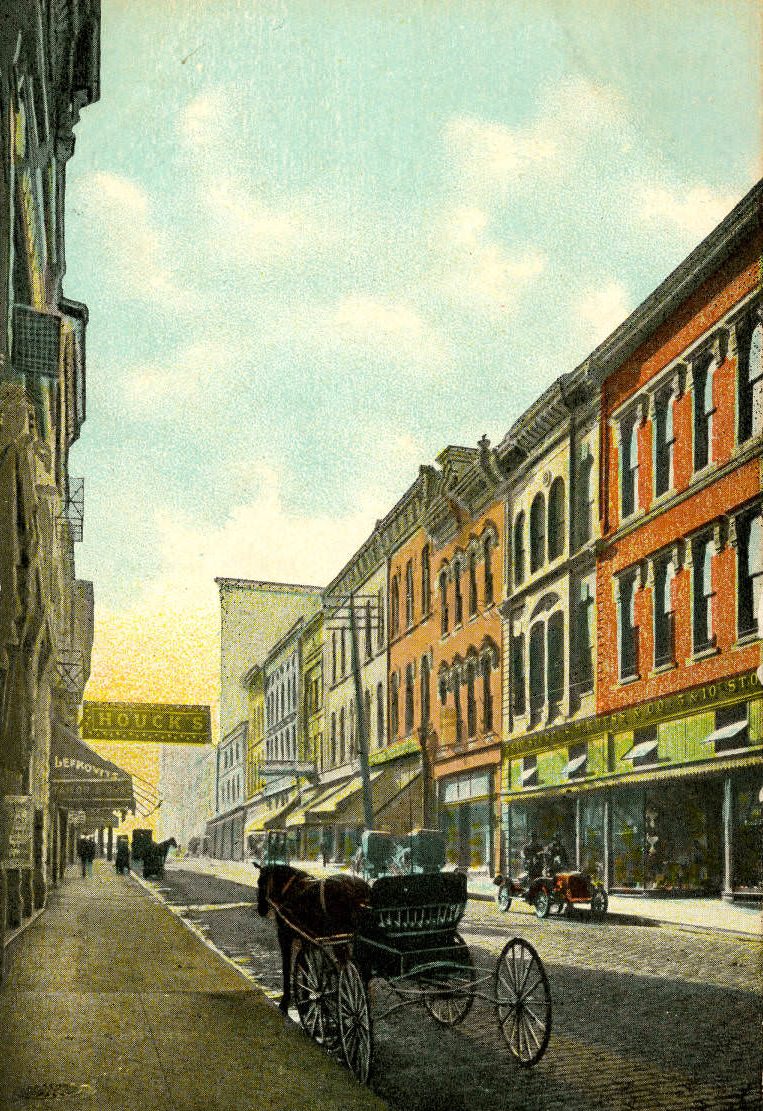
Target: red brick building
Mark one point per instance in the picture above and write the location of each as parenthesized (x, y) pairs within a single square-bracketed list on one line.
[(680, 573)]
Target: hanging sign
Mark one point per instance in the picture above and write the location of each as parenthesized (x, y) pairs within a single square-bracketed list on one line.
[(16, 831), (146, 723)]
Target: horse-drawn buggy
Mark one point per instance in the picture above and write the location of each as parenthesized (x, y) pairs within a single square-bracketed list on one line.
[(401, 928), (155, 856)]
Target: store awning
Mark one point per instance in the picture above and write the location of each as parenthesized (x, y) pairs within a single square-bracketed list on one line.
[(575, 765), (389, 787), (300, 816), (641, 750), (334, 801), (266, 817), (726, 732), (80, 779), (527, 774)]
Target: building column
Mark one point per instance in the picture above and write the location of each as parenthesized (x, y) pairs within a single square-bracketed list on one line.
[(727, 834), (109, 842), (607, 843), (100, 840), (577, 833)]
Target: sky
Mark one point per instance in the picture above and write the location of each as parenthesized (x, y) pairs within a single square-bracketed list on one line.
[(321, 240)]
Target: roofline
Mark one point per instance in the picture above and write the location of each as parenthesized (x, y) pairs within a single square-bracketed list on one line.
[(265, 584)]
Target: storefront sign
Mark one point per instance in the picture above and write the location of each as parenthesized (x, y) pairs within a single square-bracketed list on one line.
[(146, 723), (16, 816), (706, 697)]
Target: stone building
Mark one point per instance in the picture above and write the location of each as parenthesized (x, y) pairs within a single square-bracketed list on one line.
[(49, 71)]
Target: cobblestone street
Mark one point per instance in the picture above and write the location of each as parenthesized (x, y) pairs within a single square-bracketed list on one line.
[(642, 1017)]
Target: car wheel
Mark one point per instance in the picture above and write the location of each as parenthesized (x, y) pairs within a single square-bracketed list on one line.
[(504, 897), (542, 903)]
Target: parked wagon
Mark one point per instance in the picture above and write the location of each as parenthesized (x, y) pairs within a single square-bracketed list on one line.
[(408, 936)]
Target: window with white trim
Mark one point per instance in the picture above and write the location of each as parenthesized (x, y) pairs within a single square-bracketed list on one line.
[(704, 411), (537, 671), (627, 630), (537, 533), (702, 593), (751, 385), (518, 684), (664, 441), (629, 466), (749, 572), (664, 612), (519, 549), (556, 517)]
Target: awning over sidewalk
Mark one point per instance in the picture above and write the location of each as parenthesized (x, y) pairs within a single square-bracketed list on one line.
[(346, 805), (304, 813), (80, 779)]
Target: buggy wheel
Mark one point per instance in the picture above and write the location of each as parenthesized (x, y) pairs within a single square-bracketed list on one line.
[(316, 982), (504, 897), (448, 988), (523, 1001), (542, 903), (599, 904), (354, 1022)]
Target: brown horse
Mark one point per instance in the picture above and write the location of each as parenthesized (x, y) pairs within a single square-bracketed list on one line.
[(308, 908)]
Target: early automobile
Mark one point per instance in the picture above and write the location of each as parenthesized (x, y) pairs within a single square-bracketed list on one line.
[(548, 885)]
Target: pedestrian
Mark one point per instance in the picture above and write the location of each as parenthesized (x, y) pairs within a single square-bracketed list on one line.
[(89, 854), (82, 854)]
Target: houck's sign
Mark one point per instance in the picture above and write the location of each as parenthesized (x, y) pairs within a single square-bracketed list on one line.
[(145, 722)]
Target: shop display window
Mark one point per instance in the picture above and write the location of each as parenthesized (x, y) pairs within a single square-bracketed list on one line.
[(747, 844), (682, 824), (592, 835), (628, 839)]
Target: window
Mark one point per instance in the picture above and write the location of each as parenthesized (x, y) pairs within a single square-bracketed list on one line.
[(749, 573), (457, 705), (425, 691), (731, 728), (703, 413), (487, 696), (341, 736), (519, 549), (395, 607), (583, 639), (530, 771), (556, 519), (343, 651), (369, 649), (577, 760), (751, 385), (380, 603), (394, 706), (518, 673), (426, 600), (626, 625), (487, 549), (472, 584), (409, 593), (664, 442), (702, 594), (444, 619), (458, 596), (555, 646), (379, 715), (629, 467), (537, 533), (584, 513), (409, 700), (664, 614), (471, 702), (442, 687), (537, 672)]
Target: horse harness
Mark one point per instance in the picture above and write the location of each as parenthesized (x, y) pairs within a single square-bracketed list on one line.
[(331, 938)]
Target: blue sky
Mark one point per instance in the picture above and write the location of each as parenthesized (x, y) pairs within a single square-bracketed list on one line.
[(321, 240)]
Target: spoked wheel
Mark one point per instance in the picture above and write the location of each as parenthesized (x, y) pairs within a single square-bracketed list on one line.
[(449, 987), (316, 986), (354, 1022), (504, 897), (523, 1001), (599, 904), (542, 903)]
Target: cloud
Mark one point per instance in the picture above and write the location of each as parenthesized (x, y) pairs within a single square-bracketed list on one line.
[(247, 228), (475, 270), (204, 123), (693, 212), (488, 158), (182, 376), (601, 310), (131, 244)]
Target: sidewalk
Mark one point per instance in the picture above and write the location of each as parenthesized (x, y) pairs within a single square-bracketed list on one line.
[(111, 1004), (698, 914)]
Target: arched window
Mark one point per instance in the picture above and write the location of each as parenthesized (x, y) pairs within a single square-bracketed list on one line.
[(409, 594), (379, 716), (556, 519), (518, 693), (537, 533), (394, 606), (751, 387), (555, 670), (519, 549), (444, 616), (426, 600), (584, 512), (409, 700), (471, 702), (537, 671), (442, 687), (341, 736), (487, 695), (380, 604), (394, 707), (472, 584), (487, 554), (425, 691), (458, 598), (457, 704)]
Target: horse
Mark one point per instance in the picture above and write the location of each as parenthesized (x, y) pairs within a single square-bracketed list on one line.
[(154, 857), (307, 907)]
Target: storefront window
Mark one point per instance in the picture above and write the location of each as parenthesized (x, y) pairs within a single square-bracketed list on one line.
[(592, 835), (541, 820), (747, 845), (682, 825), (628, 839)]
